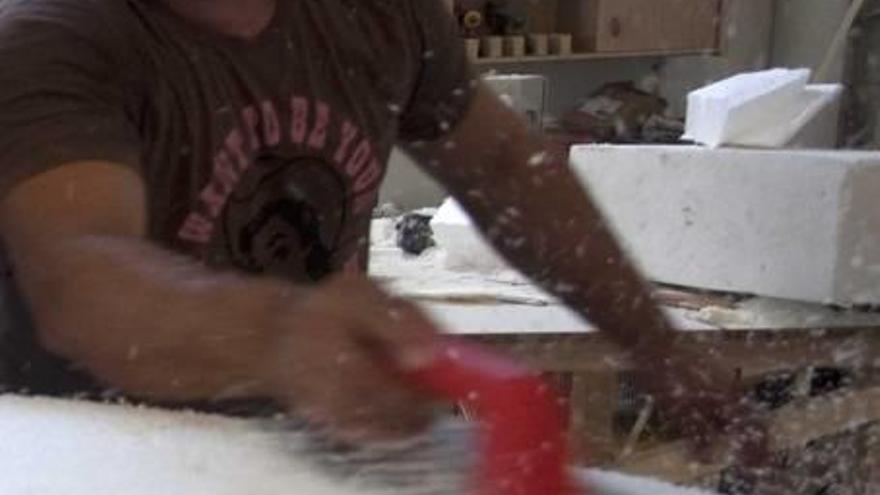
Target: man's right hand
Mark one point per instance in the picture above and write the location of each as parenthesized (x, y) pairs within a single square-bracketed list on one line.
[(339, 355), (152, 323)]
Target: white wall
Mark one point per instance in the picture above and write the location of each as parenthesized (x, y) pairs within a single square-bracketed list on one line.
[(408, 187), (869, 83), (803, 32)]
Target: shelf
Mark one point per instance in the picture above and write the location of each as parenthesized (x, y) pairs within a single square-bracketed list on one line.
[(534, 59)]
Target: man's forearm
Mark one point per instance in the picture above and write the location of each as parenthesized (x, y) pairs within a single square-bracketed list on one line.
[(535, 212), (551, 231), (152, 323)]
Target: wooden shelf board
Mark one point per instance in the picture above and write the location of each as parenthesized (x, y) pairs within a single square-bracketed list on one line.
[(528, 59)]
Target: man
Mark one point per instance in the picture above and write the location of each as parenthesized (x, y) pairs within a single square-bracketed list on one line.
[(187, 188)]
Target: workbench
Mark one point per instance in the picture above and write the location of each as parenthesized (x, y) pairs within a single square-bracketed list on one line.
[(757, 337)]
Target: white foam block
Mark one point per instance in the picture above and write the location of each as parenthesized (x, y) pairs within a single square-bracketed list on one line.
[(54, 447), (812, 122), (465, 249), (59, 447), (799, 225), (724, 111)]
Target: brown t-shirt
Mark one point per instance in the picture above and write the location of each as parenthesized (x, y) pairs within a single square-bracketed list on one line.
[(264, 155)]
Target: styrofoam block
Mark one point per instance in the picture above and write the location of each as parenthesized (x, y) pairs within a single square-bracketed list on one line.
[(799, 225), (810, 123), (90, 449), (65, 447), (464, 247), (722, 112)]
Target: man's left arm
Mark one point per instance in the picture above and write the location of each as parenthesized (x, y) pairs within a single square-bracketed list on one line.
[(530, 205)]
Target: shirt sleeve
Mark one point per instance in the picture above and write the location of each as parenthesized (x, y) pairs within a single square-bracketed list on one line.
[(60, 96), (445, 80)]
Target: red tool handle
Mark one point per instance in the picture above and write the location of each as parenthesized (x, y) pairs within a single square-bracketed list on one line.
[(523, 444)]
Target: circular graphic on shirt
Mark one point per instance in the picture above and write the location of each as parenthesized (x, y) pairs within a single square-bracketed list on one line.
[(286, 218)]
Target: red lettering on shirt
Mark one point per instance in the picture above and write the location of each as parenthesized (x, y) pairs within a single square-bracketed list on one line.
[(225, 172), (368, 178), (196, 228), (271, 125), (235, 144), (299, 108), (349, 132), (214, 197), (313, 124), (318, 137), (359, 158), (249, 115)]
